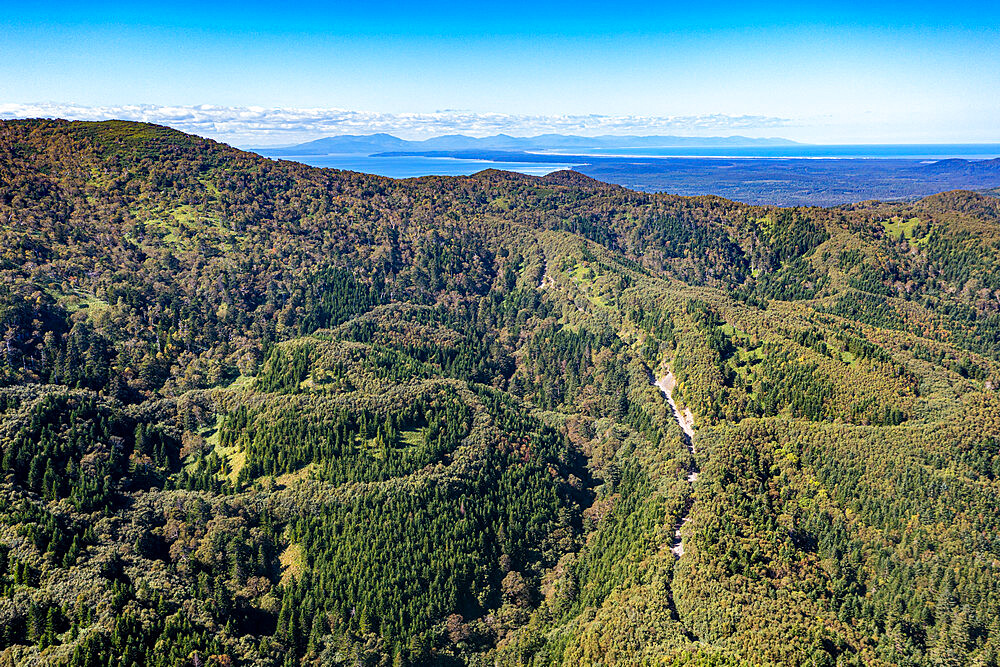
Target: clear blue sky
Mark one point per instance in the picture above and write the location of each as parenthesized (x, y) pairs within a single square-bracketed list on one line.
[(865, 71)]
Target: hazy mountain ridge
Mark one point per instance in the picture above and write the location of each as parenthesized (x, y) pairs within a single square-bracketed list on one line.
[(380, 143)]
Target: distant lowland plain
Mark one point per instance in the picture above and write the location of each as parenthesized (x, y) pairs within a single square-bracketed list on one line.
[(755, 170)]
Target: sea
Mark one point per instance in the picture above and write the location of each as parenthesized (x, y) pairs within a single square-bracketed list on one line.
[(815, 151), (414, 166), (411, 167)]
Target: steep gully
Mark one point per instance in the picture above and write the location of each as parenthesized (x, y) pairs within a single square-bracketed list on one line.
[(666, 384)]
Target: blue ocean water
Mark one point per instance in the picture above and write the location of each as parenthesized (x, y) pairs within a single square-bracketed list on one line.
[(872, 151), (409, 167), (413, 166)]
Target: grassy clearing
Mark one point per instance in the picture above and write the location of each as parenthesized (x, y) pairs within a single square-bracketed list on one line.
[(75, 300), (93, 305), (211, 434), (413, 438), (290, 478), (235, 459), (407, 440), (185, 214), (242, 382), (293, 563), (212, 190), (897, 226), (583, 273)]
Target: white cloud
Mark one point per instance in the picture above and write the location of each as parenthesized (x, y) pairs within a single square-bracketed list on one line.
[(246, 126)]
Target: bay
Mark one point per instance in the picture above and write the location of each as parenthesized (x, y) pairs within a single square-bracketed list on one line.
[(410, 167)]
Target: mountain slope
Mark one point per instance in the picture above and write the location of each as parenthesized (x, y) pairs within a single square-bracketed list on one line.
[(254, 412)]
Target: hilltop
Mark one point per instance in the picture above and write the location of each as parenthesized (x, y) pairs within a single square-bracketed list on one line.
[(255, 412)]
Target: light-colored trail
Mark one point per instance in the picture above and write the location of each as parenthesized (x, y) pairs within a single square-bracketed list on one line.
[(666, 384)]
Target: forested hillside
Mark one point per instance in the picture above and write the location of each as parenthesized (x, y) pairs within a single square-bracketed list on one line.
[(257, 413)]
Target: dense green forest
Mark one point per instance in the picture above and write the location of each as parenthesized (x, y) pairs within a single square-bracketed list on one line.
[(258, 413)]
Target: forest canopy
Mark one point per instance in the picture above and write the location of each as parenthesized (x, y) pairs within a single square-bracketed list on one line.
[(258, 413)]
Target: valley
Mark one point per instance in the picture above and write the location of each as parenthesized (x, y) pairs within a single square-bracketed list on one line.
[(666, 384), (258, 413)]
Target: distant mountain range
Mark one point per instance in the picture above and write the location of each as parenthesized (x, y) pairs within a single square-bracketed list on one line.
[(380, 143)]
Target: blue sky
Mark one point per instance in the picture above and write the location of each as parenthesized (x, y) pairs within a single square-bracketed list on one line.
[(252, 72)]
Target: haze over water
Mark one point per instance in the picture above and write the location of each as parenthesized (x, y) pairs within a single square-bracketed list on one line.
[(414, 166)]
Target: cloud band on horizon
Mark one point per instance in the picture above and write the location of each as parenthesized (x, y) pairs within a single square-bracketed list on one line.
[(262, 126)]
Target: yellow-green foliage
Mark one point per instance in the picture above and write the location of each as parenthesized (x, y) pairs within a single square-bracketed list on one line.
[(258, 413)]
